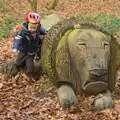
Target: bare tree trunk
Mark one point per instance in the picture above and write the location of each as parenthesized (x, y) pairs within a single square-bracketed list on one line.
[(33, 4), (54, 4)]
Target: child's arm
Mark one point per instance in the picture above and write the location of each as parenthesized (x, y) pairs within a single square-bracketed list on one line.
[(43, 31), (17, 42)]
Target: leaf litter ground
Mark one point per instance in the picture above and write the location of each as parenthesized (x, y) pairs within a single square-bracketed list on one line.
[(20, 100)]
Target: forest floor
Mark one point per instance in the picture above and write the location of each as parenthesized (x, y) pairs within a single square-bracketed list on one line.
[(20, 100)]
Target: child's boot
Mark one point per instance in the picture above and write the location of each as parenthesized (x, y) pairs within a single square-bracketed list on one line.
[(28, 77)]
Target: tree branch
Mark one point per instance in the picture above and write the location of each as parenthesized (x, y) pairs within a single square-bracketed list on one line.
[(33, 4), (54, 4)]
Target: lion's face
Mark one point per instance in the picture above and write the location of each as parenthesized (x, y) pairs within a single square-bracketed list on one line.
[(90, 54)]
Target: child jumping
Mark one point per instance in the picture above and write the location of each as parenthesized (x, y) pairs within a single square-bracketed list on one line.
[(27, 42)]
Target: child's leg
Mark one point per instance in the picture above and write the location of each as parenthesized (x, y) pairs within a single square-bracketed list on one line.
[(30, 65), (20, 60)]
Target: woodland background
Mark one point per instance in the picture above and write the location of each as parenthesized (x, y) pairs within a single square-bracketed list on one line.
[(22, 101)]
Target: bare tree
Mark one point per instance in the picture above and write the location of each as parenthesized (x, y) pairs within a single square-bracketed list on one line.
[(54, 4), (33, 4)]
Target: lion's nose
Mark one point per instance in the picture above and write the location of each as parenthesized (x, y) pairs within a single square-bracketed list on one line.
[(98, 72)]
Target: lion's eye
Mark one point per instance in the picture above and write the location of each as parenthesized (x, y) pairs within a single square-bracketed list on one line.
[(81, 45), (106, 45)]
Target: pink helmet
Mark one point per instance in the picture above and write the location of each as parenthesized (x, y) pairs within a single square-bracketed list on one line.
[(33, 17)]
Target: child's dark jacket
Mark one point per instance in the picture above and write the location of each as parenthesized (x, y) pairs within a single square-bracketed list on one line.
[(24, 41)]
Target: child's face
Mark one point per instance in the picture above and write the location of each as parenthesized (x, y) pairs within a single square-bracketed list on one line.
[(32, 27)]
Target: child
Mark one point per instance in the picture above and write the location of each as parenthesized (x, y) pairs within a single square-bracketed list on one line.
[(27, 42)]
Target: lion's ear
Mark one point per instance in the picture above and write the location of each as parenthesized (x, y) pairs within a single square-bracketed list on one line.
[(114, 63)]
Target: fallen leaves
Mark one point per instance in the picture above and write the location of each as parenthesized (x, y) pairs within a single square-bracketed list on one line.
[(22, 101), (1, 85)]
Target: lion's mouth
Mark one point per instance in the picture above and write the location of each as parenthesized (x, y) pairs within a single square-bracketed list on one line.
[(98, 82), (95, 87), (94, 78)]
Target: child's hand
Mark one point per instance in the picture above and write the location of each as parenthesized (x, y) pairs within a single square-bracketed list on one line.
[(37, 58), (14, 50)]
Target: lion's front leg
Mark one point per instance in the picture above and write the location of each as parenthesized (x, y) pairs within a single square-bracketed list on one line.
[(67, 97), (103, 101)]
